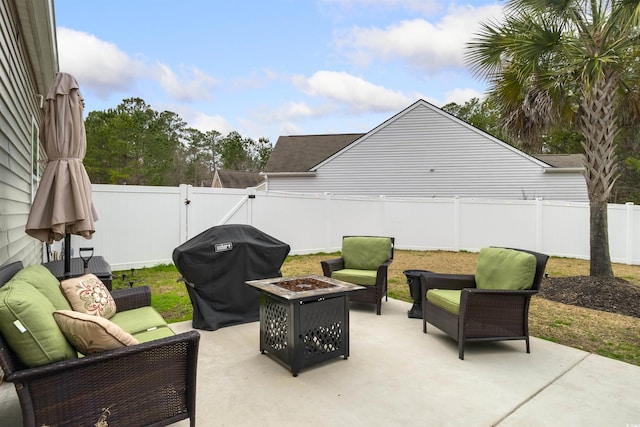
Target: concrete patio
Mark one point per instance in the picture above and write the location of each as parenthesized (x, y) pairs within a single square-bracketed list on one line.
[(396, 375)]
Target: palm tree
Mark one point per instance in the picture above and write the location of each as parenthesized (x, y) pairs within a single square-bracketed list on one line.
[(576, 62)]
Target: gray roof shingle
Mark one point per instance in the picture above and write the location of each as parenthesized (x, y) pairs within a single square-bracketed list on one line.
[(239, 179), (299, 153), (561, 160)]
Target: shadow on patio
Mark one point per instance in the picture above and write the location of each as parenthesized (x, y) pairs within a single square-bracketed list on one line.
[(396, 375)]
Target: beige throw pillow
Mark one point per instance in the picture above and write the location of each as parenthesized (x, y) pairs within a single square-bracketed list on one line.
[(91, 334), (87, 294)]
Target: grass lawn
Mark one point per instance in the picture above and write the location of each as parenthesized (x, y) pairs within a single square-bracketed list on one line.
[(610, 335)]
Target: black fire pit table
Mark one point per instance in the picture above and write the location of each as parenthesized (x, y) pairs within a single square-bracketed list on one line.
[(304, 320)]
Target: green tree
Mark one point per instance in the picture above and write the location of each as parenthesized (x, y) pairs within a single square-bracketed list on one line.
[(481, 114), (132, 144), (200, 156), (572, 61), (245, 154), (627, 187)]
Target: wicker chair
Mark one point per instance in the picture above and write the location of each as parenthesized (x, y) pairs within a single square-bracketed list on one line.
[(367, 263), (484, 314), (153, 383)]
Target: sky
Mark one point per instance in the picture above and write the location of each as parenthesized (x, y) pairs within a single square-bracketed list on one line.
[(267, 68)]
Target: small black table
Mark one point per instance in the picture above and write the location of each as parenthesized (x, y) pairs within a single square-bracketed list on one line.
[(97, 265), (415, 288)]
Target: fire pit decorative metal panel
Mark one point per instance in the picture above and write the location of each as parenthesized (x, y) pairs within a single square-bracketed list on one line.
[(304, 320)]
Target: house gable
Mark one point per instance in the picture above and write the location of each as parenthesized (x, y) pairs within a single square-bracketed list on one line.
[(445, 116), (425, 152)]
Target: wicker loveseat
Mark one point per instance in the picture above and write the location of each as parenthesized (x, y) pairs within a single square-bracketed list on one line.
[(152, 382), (490, 305)]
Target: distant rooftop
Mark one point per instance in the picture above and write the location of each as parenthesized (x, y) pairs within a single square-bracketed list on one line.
[(561, 160), (301, 152), (236, 179)]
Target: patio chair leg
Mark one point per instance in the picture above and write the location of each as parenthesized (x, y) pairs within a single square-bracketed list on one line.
[(527, 343), (461, 350)]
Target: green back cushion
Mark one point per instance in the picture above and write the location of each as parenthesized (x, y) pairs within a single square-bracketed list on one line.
[(28, 326), (41, 278), (500, 268), (365, 253)]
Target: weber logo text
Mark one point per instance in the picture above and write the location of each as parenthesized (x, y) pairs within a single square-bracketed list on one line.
[(222, 247)]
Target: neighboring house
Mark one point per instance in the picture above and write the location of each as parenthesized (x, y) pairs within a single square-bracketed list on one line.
[(237, 179), (422, 151), (28, 64)]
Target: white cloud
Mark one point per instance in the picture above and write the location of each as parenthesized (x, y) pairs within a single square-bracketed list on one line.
[(257, 80), (103, 68), (357, 94), (292, 111), (297, 110), (204, 122), (97, 64), (192, 85), (426, 45), (460, 96), (288, 128)]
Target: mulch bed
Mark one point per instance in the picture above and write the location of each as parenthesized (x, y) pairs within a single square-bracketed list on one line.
[(612, 295)]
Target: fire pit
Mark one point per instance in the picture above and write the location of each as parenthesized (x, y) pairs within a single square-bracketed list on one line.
[(304, 284), (304, 320)]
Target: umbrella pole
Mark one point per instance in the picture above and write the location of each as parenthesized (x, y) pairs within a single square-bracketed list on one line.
[(67, 256)]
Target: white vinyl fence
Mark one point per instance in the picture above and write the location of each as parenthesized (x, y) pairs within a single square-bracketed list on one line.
[(141, 226)]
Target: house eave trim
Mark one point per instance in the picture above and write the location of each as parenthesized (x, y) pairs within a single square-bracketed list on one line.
[(563, 170), (287, 174)]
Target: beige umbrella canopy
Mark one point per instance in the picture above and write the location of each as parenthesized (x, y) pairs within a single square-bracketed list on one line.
[(63, 205)]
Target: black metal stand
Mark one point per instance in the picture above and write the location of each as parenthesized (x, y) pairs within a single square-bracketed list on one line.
[(415, 288), (67, 256), (86, 258)]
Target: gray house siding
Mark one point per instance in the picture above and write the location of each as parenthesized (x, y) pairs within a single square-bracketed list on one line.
[(425, 152), (22, 79)]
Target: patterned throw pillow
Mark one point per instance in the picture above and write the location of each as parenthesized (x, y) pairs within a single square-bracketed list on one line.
[(91, 334), (87, 294)]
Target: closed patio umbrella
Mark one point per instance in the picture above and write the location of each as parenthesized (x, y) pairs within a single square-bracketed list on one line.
[(63, 205)]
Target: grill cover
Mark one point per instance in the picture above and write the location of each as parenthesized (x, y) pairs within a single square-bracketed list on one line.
[(216, 263)]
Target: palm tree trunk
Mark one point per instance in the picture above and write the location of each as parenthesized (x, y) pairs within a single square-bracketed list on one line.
[(600, 259), (598, 126)]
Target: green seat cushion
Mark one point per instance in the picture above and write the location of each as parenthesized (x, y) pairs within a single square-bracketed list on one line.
[(448, 299), (500, 268), (154, 334), (358, 277), (28, 326), (365, 253), (138, 320), (44, 281)]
